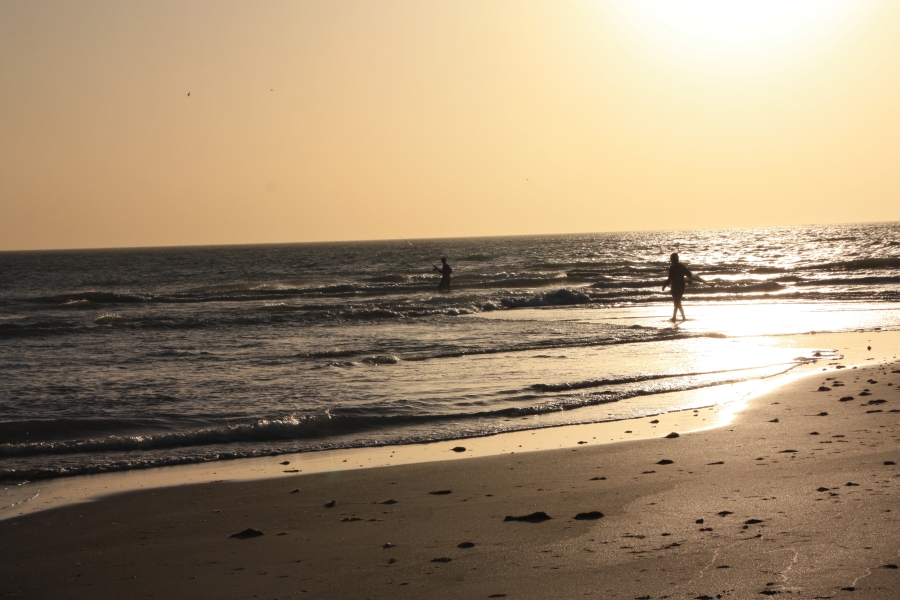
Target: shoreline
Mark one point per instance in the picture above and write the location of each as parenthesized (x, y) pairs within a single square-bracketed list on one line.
[(799, 497), (41, 495)]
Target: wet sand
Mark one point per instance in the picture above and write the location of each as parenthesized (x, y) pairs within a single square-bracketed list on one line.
[(798, 495)]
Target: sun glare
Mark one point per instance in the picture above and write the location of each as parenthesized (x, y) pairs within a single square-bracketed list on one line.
[(722, 30), (739, 21)]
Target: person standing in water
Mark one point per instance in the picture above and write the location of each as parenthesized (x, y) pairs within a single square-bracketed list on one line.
[(445, 270), (677, 273)]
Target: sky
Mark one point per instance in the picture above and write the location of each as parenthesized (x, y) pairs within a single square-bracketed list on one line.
[(160, 123)]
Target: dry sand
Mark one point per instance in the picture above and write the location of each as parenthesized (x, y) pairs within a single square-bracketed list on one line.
[(799, 497)]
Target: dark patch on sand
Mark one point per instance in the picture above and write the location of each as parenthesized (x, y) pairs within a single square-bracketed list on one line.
[(459, 449), (441, 492), (665, 461), (247, 533), (672, 435), (589, 516), (535, 517), (465, 545)]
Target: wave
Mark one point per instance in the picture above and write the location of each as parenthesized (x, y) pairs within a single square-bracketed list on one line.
[(851, 281), (593, 383), (328, 426), (329, 354), (108, 318), (83, 299), (13, 432), (561, 297), (860, 264), (739, 288), (385, 359)]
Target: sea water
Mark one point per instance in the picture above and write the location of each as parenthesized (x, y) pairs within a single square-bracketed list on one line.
[(133, 358)]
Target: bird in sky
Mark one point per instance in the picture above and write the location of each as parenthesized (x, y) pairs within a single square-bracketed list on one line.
[(189, 94)]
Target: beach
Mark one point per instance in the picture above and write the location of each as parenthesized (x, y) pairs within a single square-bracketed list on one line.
[(516, 299), (797, 495)]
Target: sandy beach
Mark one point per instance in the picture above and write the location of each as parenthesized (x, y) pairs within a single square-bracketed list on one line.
[(450, 299), (798, 495)]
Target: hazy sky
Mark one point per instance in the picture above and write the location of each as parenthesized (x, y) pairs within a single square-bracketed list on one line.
[(336, 120)]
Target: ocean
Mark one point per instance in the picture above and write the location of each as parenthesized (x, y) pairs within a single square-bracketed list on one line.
[(133, 358)]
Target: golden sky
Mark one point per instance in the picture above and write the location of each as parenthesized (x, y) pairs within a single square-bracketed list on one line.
[(339, 120)]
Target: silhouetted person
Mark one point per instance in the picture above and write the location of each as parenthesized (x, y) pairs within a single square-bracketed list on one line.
[(445, 270), (677, 273)]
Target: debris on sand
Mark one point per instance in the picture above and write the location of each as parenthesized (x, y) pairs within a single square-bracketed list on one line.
[(589, 516), (247, 533), (441, 492), (535, 517), (672, 436)]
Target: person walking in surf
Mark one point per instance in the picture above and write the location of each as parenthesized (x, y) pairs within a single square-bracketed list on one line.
[(677, 273), (445, 270)]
